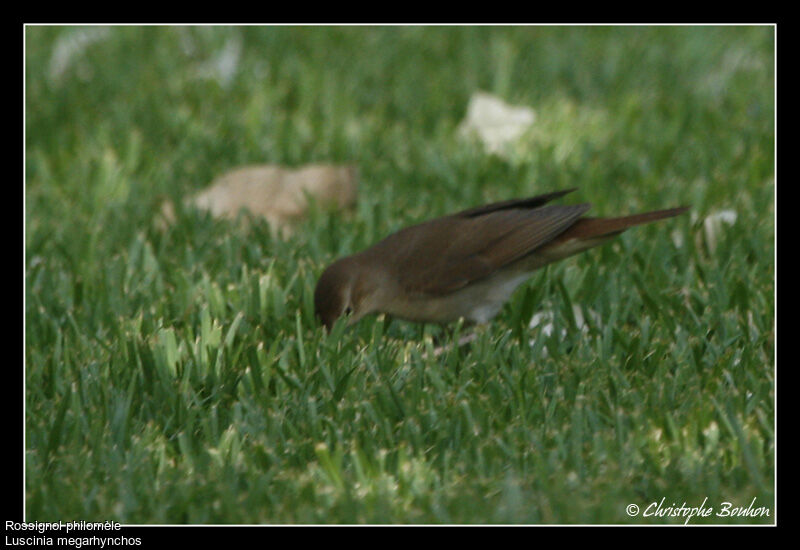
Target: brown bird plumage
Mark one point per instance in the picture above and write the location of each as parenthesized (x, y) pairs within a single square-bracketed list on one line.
[(466, 264)]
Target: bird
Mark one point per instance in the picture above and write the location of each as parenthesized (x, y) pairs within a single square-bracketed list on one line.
[(463, 265)]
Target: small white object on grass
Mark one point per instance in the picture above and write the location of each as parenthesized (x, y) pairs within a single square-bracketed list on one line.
[(714, 223), (223, 66), (68, 48), (547, 317), (495, 122)]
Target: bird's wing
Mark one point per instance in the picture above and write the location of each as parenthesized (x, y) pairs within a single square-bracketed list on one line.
[(529, 203), (449, 253)]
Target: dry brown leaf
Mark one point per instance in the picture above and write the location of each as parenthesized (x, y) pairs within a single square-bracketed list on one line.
[(277, 193)]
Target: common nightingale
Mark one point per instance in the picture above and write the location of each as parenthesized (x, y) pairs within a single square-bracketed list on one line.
[(466, 264)]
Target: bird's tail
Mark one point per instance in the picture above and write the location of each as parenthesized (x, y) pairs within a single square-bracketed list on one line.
[(590, 232), (588, 228)]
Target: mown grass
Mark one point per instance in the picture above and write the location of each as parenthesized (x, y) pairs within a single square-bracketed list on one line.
[(179, 376)]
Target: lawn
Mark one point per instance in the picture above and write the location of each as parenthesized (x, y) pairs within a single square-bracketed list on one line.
[(178, 375)]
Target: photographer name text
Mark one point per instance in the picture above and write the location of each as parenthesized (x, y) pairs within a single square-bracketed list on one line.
[(725, 510)]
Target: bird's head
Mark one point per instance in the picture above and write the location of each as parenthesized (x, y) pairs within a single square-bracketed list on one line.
[(345, 288)]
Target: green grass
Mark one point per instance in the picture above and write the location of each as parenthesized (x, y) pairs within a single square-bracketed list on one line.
[(180, 377)]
